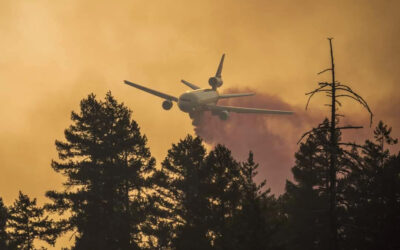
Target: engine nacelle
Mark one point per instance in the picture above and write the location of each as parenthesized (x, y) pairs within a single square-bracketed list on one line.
[(167, 105), (215, 82), (224, 115)]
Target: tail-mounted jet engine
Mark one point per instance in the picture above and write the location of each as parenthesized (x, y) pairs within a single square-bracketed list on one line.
[(167, 104), (216, 81), (224, 115)]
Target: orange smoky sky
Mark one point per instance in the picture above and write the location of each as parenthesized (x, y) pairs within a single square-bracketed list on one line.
[(54, 53)]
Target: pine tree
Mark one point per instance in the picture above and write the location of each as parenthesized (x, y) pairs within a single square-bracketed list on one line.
[(256, 224), (372, 194), (213, 200), (183, 188), (224, 194), (306, 201), (27, 222), (382, 136), (3, 221), (107, 166)]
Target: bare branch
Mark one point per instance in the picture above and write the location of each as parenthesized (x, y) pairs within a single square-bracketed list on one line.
[(355, 97), (320, 128), (324, 83), (350, 144), (320, 89), (349, 96), (349, 127), (308, 100), (317, 90), (353, 156), (324, 71)]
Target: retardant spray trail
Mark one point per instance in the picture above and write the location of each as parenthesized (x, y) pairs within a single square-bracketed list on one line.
[(272, 138)]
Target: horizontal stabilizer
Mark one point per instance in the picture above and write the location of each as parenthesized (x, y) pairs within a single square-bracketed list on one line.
[(235, 95), (151, 91), (190, 85)]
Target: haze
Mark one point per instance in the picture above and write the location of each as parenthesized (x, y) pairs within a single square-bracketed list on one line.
[(54, 53)]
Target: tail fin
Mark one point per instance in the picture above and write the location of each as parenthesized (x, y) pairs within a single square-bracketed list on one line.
[(221, 63)]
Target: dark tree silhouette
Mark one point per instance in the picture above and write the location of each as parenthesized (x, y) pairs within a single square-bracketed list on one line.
[(213, 200), (306, 201), (107, 166), (382, 137), (27, 222), (372, 191), (335, 91), (258, 221), (3, 221), (368, 195), (243, 214), (183, 189), (225, 194)]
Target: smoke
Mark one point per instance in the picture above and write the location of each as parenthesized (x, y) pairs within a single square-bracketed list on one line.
[(272, 138)]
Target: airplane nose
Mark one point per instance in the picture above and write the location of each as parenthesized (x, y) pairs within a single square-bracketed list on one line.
[(185, 106), (186, 103)]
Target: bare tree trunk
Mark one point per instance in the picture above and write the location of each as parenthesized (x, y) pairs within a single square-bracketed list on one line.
[(332, 167), (335, 91)]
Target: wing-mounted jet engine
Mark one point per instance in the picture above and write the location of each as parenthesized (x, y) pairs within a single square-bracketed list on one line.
[(223, 115), (167, 104)]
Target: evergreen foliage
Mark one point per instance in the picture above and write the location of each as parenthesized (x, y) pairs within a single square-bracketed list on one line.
[(368, 194), (185, 189), (107, 164), (306, 201), (225, 185), (373, 196), (27, 222), (214, 201), (3, 221), (258, 221), (114, 197)]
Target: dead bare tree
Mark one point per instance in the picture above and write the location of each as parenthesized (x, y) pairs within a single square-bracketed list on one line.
[(335, 91)]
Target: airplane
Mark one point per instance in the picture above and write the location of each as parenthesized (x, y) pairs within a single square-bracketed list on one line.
[(198, 100)]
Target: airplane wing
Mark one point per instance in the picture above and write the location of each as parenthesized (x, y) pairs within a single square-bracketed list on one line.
[(223, 96), (190, 85), (247, 110), (151, 91)]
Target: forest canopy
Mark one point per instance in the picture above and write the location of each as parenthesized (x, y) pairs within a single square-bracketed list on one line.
[(115, 196)]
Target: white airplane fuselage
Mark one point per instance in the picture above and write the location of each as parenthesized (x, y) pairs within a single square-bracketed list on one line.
[(193, 101)]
